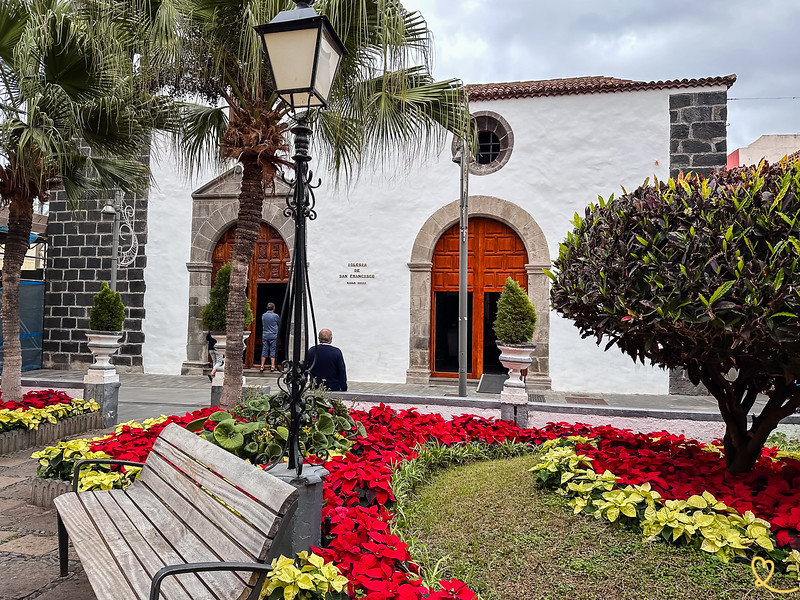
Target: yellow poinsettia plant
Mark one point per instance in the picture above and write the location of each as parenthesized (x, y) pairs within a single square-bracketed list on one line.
[(31, 418), (700, 520), (305, 578)]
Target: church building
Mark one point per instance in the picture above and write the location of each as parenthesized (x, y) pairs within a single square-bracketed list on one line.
[(383, 250)]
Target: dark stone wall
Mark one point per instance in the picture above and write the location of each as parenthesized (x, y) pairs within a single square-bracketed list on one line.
[(698, 132), (698, 143), (78, 260)]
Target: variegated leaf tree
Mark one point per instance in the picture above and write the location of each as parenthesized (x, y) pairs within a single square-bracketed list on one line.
[(71, 118), (702, 273), (384, 103)]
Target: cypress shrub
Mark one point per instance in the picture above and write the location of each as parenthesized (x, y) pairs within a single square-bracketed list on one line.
[(214, 313), (516, 316), (108, 312)]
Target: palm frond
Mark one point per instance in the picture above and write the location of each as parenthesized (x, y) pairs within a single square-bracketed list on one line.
[(201, 136)]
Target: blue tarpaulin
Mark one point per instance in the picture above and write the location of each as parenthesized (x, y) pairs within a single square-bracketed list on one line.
[(31, 317), (34, 236)]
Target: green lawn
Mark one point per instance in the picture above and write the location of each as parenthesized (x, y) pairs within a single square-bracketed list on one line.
[(490, 525)]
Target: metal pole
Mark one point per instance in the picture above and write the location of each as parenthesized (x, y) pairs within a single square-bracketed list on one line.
[(115, 241), (297, 376), (462, 158)]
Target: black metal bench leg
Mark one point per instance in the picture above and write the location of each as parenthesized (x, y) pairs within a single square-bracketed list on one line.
[(63, 546)]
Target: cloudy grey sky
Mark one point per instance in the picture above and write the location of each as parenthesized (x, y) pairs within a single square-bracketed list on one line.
[(482, 41)]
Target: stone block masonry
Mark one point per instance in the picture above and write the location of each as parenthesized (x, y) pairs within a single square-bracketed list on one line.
[(78, 260), (698, 143), (698, 133)]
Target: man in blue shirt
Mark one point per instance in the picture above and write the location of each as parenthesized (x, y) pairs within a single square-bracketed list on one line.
[(269, 336), (327, 363)]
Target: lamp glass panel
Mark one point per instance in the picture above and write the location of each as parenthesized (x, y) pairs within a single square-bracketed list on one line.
[(291, 56), (300, 100), (327, 63)]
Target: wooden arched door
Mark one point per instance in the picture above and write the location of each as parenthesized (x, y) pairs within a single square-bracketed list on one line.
[(267, 277), (495, 253)]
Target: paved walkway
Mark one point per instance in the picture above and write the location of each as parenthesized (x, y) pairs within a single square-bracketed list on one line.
[(146, 395)]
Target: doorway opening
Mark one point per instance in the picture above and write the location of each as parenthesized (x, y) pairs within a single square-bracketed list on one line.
[(496, 252), (267, 278), (266, 293)]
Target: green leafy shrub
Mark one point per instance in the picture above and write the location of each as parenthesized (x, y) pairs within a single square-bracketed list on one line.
[(258, 427), (516, 316), (702, 273), (108, 312), (214, 315)]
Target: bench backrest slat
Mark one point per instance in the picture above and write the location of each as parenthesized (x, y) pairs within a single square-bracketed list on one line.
[(242, 501)]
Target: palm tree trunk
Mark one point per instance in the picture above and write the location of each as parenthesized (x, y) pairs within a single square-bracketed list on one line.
[(251, 198), (20, 219)]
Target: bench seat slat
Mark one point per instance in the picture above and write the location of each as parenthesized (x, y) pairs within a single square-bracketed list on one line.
[(272, 493), (144, 547), (250, 526), (120, 548), (190, 545), (107, 580)]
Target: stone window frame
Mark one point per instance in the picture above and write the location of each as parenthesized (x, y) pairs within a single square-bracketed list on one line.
[(487, 120)]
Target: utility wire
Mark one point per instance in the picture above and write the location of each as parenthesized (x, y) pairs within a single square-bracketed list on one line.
[(769, 98)]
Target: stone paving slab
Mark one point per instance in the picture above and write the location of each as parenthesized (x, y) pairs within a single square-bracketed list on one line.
[(22, 579), (34, 545), (4, 535), (77, 588), (6, 461), (9, 481)]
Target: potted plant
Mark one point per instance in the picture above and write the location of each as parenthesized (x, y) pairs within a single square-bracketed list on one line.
[(214, 313), (514, 327), (105, 326)]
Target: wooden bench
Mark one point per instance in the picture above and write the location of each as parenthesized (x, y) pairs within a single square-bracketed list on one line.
[(197, 513)]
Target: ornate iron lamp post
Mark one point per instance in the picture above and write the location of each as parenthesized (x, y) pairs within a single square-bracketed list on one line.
[(117, 208), (303, 55)]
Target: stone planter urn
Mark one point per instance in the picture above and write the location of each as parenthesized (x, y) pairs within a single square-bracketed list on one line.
[(513, 397), (103, 344), (101, 382), (222, 342)]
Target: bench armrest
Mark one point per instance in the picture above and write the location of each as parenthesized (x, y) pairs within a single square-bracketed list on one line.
[(98, 461), (155, 585)]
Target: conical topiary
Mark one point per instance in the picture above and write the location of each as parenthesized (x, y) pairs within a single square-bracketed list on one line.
[(108, 312), (516, 316), (214, 313)]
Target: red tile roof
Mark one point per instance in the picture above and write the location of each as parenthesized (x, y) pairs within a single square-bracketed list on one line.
[(584, 85)]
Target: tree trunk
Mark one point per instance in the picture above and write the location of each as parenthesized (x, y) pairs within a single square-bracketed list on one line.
[(20, 218), (251, 198), (742, 451), (742, 446)]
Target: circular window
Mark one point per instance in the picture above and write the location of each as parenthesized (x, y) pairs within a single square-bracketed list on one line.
[(493, 145)]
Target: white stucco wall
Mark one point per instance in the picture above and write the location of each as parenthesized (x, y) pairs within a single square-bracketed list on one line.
[(567, 150), (166, 301)]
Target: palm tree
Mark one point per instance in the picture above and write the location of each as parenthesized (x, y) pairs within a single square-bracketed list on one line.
[(384, 102), (71, 118)]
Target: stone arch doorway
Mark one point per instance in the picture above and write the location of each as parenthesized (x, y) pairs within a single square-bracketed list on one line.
[(214, 210), (267, 277), (495, 253), (420, 266)]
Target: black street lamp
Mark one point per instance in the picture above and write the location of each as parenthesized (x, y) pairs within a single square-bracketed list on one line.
[(303, 55)]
